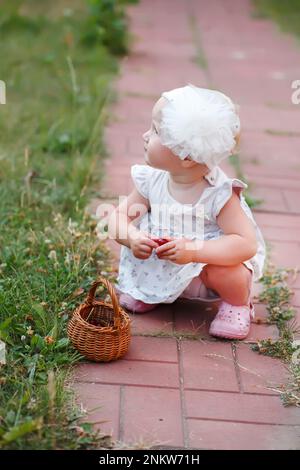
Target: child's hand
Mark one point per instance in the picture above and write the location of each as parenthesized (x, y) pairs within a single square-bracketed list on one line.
[(179, 250), (142, 245), (160, 241)]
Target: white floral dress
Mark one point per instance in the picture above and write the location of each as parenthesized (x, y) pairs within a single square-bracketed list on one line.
[(161, 281)]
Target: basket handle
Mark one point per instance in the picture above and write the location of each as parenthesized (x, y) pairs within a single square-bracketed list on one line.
[(91, 297)]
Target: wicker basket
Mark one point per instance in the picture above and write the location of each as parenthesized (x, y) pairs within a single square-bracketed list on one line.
[(100, 330)]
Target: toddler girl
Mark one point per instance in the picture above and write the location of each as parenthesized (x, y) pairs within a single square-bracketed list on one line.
[(218, 250)]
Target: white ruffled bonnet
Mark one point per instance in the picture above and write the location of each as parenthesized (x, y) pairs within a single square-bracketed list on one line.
[(199, 123)]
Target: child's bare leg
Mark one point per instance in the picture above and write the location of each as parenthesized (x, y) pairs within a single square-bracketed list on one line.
[(232, 283)]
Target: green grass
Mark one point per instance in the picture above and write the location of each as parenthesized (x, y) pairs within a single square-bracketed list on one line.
[(276, 295), (51, 153), (282, 133), (285, 12)]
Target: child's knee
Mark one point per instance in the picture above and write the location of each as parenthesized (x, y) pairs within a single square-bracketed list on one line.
[(222, 275), (212, 274)]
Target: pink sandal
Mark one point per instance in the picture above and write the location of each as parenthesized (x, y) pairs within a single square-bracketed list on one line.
[(136, 306), (232, 321)]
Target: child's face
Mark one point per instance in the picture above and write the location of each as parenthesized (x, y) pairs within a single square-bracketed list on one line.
[(157, 155)]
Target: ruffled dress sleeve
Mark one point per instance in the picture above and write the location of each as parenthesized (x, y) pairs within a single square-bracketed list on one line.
[(141, 176), (224, 193)]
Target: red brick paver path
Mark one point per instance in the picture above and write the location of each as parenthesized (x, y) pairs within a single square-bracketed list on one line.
[(169, 391)]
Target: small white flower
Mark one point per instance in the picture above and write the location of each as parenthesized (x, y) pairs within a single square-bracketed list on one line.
[(68, 258), (72, 226), (57, 217), (68, 12), (52, 255), (23, 338)]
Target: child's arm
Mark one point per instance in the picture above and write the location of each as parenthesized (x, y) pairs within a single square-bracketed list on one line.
[(238, 243), (121, 228)]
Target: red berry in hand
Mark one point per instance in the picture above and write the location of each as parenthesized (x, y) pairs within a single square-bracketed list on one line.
[(160, 241)]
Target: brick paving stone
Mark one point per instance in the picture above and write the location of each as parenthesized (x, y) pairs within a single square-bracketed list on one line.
[(261, 313), (267, 182), (239, 407), (129, 372), (102, 403), (120, 170), (119, 185), (157, 321), (222, 435), (259, 332), (292, 199), (152, 416), (280, 234), (276, 148), (259, 373), (285, 254), (260, 117), (134, 109), (208, 366), (272, 199), (296, 298), (194, 317), (281, 220), (153, 349), (271, 170)]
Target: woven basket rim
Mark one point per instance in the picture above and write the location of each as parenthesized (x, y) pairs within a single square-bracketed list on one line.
[(101, 329)]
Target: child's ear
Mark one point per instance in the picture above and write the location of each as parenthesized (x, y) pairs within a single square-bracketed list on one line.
[(188, 163), (237, 143)]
